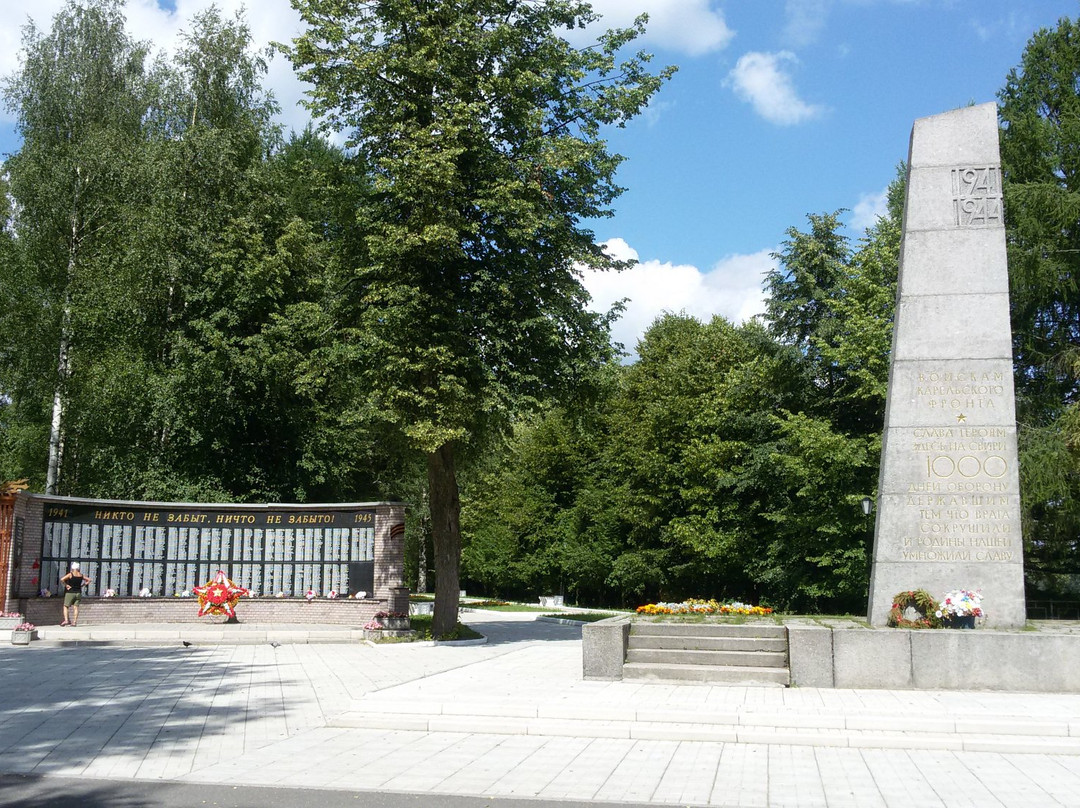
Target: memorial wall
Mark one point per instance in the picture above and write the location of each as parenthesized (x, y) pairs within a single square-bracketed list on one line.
[(169, 551), (163, 550), (948, 495)]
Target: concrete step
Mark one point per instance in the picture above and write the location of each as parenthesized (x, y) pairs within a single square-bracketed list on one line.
[(717, 674), (1001, 734), (668, 629), (699, 643), (670, 656)]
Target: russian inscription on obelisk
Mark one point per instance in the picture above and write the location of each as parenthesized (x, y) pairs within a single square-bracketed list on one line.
[(948, 495)]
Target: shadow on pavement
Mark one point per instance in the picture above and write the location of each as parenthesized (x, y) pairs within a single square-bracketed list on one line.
[(499, 632), (59, 705), (18, 791)]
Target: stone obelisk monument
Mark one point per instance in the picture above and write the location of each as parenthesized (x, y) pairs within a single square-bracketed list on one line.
[(948, 495)]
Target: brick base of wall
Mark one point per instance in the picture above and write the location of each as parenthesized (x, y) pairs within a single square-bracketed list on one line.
[(98, 611)]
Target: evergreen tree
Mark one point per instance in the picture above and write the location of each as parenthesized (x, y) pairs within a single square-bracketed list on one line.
[(1040, 152)]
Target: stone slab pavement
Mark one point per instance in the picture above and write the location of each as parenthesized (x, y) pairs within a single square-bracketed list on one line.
[(260, 714)]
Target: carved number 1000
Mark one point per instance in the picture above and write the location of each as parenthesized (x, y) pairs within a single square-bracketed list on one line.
[(968, 466)]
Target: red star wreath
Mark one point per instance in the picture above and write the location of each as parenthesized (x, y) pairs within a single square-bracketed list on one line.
[(219, 596)]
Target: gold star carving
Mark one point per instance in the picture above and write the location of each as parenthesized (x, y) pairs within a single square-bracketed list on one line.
[(961, 418)]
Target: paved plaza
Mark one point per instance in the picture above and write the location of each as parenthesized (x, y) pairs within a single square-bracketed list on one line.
[(512, 719)]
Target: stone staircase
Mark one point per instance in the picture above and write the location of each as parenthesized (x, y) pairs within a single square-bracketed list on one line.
[(748, 653)]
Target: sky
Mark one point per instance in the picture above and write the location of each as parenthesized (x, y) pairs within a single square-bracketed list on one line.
[(780, 109)]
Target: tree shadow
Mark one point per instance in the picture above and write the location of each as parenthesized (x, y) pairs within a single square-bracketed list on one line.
[(35, 791), (502, 632), (62, 709)]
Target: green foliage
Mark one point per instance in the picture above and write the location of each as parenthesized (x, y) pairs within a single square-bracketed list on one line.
[(193, 285), (1040, 116), (480, 127), (211, 311), (728, 461)]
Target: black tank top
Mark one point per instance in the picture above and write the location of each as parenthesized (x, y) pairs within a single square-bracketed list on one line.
[(75, 581)]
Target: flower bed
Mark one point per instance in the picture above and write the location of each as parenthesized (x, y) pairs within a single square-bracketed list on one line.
[(694, 606)]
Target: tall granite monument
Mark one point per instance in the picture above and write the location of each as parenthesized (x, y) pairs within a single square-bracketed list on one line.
[(949, 494)]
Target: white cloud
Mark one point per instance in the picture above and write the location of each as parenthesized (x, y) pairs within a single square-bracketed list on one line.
[(760, 79), (868, 210), (805, 20), (269, 20), (1011, 26), (732, 288), (689, 26)]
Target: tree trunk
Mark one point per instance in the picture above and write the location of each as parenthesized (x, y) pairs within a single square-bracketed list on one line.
[(421, 549), (446, 533), (56, 442)]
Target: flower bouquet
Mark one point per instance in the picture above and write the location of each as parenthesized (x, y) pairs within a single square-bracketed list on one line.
[(960, 607)]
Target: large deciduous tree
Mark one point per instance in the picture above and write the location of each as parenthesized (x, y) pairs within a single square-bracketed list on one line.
[(480, 124)]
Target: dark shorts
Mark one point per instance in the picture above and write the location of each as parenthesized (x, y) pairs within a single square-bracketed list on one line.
[(72, 598)]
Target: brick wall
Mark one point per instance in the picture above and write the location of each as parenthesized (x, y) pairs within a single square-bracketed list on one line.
[(26, 551)]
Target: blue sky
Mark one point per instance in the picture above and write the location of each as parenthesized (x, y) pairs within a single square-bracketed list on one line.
[(780, 108)]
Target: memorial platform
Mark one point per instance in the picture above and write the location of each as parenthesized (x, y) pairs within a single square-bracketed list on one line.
[(513, 718)]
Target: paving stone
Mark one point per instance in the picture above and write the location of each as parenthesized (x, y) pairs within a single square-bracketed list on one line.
[(253, 713)]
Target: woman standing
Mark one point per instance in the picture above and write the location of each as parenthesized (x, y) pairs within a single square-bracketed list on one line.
[(73, 583)]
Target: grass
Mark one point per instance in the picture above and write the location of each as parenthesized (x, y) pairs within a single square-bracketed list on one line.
[(421, 624)]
